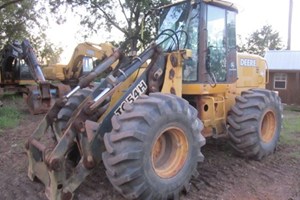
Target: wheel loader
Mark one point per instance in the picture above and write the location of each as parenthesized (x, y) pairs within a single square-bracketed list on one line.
[(148, 119)]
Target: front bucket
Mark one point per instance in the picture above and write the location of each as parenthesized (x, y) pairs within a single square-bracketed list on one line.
[(36, 104)]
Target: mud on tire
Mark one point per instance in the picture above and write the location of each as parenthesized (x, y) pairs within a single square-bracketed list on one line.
[(154, 148), (255, 123), (66, 112)]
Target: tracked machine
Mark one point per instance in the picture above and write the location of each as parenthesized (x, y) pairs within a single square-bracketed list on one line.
[(148, 119), (85, 56), (21, 72)]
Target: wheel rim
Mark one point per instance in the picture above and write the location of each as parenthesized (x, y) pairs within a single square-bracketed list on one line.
[(268, 126), (169, 152)]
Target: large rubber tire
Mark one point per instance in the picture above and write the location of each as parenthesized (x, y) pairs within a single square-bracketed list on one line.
[(63, 117), (66, 112), (154, 148), (255, 123)]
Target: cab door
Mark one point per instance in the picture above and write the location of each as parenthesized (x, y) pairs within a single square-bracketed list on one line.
[(220, 64)]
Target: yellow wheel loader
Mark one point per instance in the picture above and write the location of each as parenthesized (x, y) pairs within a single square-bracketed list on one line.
[(148, 119)]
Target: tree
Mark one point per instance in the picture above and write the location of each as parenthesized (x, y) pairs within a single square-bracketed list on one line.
[(20, 19), (17, 18), (5, 4), (261, 40), (46, 51), (127, 16)]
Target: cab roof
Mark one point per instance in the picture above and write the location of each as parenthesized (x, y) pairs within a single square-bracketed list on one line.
[(220, 3)]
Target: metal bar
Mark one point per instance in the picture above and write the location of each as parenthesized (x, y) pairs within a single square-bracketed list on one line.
[(99, 69), (40, 130), (61, 149), (31, 61), (72, 92), (76, 179), (38, 145), (100, 100), (137, 63), (102, 94)]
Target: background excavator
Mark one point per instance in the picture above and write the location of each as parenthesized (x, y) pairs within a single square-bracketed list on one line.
[(148, 119), (85, 57), (20, 72), (14, 71)]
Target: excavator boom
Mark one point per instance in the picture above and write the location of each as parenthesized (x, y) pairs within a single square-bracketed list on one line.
[(85, 57), (40, 94)]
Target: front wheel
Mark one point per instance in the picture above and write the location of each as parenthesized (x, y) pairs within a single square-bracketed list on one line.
[(255, 123), (66, 112), (154, 147)]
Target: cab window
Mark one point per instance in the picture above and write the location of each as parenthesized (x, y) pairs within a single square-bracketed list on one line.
[(216, 44)]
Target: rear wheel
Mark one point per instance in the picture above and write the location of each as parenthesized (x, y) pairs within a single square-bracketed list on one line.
[(255, 123), (154, 147)]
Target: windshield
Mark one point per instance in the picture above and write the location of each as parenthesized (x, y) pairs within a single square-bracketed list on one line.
[(179, 29), (172, 24), (87, 63)]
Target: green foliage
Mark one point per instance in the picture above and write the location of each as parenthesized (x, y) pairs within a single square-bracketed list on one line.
[(17, 18), (218, 61), (129, 17), (291, 128), (262, 40), (9, 117), (20, 19), (290, 134), (47, 52)]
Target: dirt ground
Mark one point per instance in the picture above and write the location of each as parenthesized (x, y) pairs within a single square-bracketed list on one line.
[(222, 175)]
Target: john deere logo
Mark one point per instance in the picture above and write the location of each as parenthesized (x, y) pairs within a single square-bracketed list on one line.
[(246, 62)]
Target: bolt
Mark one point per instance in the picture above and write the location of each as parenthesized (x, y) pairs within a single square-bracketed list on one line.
[(89, 162), (171, 74), (67, 196), (55, 164), (173, 91), (174, 60)]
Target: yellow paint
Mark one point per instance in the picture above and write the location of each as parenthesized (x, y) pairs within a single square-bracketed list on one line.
[(214, 102), (173, 74), (252, 71), (122, 88), (27, 82), (74, 67)]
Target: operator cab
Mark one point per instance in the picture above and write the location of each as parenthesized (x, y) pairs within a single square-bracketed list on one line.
[(207, 28), (13, 68)]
